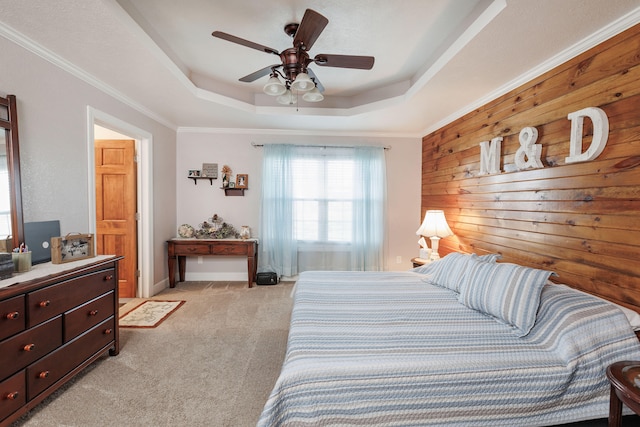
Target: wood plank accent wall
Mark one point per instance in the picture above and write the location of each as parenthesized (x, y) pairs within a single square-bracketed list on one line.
[(581, 220)]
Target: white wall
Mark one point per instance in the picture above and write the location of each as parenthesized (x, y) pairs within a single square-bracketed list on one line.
[(52, 114), (198, 202)]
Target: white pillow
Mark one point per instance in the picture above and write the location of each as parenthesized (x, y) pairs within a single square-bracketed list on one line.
[(632, 316)]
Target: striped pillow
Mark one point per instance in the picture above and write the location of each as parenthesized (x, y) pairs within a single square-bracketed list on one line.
[(489, 257), (508, 292), (448, 271)]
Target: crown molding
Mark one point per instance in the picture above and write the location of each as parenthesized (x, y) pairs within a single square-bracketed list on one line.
[(291, 132), (30, 45), (605, 33)]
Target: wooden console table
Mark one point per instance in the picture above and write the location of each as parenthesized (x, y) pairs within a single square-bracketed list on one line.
[(182, 248)]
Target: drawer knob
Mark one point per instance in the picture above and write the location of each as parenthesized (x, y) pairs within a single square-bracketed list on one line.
[(107, 331), (43, 374), (12, 316), (13, 395), (93, 313), (29, 347), (108, 277), (45, 303)]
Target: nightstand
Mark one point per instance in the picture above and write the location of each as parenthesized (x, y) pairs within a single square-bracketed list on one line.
[(623, 377), (418, 262)]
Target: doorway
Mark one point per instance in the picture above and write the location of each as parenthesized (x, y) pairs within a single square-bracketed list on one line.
[(116, 207), (98, 121)]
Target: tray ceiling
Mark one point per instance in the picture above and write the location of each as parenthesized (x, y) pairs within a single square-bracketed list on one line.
[(434, 59)]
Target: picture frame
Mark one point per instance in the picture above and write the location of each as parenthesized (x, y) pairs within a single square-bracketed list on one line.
[(242, 180), (210, 170), (72, 247), (194, 173)]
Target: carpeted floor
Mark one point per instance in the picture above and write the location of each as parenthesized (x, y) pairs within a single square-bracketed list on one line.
[(211, 363)]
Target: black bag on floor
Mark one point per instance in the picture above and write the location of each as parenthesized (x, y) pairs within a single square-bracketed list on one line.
[(267, 278)]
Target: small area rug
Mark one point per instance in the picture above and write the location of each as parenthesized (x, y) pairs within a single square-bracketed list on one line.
[(148, 314)]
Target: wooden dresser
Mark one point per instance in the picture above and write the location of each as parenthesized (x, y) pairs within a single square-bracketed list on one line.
[(52, 325)]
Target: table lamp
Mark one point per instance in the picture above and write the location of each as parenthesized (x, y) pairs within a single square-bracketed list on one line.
[(435, 227)]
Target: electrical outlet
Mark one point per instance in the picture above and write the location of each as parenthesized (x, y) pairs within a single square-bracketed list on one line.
[(199, 260), (398, 259)]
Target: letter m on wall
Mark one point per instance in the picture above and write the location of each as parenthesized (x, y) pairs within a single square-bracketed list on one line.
[(490, 156)]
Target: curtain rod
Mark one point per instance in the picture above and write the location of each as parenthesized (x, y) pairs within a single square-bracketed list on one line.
[(386, 147)]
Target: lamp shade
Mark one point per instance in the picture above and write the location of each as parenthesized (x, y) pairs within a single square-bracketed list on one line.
[(434, 225), (302, 83), (274, 86), (313, 95), (287, 98)]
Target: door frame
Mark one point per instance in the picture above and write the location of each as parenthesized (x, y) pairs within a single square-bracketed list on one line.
[(144, 181)]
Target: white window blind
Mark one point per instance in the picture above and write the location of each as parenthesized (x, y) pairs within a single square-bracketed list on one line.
[(323, 199)]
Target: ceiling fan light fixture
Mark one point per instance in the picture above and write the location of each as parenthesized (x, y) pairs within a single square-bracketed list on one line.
[(298, 80), (274, 86), (314, 95), (287, 98), (302, 83)]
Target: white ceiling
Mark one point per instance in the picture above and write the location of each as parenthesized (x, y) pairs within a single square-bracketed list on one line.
[(434, 59)]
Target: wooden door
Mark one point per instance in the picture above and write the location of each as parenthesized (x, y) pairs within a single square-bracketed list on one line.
[(116, 227)]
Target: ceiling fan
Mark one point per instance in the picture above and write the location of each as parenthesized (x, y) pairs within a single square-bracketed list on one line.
[(295, 61)]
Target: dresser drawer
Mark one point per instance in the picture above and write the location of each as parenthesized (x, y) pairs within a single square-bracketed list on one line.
[(53, 300), (12, 316), (46, 371), (28, 346), (192, 249), (229, 249), (88, 315), (13, 394)]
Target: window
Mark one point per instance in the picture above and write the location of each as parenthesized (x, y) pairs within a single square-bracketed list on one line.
[(323, 199), (322, 208)]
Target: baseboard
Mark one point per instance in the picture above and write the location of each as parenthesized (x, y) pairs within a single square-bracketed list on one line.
[(159, 287), (219, 276)]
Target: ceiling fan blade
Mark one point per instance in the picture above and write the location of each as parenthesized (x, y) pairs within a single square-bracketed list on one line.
[(313, 76), (310, 28), (345, 61), (243, 42), (260, 73)]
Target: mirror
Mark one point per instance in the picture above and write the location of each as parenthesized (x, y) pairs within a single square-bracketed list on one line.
[(11, 220)]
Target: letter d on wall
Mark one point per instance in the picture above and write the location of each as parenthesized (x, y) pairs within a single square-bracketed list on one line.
[(600, 134)]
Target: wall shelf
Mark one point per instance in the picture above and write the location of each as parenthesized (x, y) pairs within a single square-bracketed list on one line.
[(196, 178), (234, 191)]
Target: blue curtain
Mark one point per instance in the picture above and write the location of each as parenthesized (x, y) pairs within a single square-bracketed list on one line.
[(369, 209), (284, 251), (278, 247)]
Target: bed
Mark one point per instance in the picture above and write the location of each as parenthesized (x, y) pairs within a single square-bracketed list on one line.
[(451, 343)]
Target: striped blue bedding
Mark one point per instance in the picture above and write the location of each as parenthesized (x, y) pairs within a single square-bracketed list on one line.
[(387, 349)]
